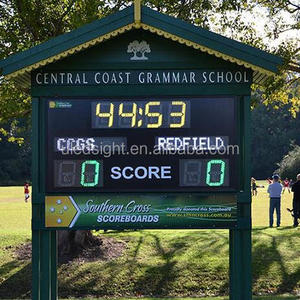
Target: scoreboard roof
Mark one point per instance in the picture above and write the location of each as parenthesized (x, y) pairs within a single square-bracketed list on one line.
[(19, 66)]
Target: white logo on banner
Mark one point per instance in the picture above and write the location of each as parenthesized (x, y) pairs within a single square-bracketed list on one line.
[(138, 49)]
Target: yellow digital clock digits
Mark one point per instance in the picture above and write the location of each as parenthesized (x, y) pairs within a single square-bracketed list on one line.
[(109, 115), (131, 115), (180, 114), (141, 114), (153, 114)]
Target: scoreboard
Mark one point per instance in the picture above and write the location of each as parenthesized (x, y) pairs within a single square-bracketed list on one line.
[(153, 144)]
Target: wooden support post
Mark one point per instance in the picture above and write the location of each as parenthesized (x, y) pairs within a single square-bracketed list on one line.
[(240, 264), (44, 252), (240, 243)]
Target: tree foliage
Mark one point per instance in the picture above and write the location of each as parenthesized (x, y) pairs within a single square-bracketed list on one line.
[(273, 132), (141, 47), (15, 161), (133, 47), (289, 166), (26, 23), (144, 48)]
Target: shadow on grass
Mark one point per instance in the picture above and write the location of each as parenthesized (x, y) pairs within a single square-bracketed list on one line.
[(8, 267), (136, 277), (183, 264), (163, 274), (154, 265), (17, 286), (270, 259)]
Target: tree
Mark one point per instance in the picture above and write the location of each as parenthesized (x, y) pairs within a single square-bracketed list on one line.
[(289, 166), (26, 23), (71, 242), (144, 48), (273, 131), (134, 47), (15, 160)]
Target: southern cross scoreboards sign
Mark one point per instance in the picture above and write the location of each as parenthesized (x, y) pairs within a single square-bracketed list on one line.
[(172, 147), (128, 210)]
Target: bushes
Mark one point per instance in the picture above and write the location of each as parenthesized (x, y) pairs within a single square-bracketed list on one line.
[(289, 166), (15, 160)]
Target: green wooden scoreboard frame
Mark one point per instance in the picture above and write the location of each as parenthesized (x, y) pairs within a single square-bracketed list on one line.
[(171, 46)]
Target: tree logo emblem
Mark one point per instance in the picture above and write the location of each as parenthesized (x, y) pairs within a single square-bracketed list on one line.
[(136, 47)]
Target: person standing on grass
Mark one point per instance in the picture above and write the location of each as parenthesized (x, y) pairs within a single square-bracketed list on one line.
[(296, 200), (26, 191), (253, 187), (286, 185), (274, 191)]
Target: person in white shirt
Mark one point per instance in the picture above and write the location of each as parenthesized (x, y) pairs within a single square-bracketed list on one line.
[(274, 191)]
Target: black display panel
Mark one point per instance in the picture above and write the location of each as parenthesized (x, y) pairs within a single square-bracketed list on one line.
[(150, 144)]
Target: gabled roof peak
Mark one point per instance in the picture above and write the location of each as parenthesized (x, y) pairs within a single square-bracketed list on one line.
[(20, 65)]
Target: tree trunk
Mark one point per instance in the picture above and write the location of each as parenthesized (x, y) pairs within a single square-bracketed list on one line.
[(71, 242), (134, 56)]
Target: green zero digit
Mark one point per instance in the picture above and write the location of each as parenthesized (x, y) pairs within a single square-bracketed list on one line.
[(209, 171), (85, 175)]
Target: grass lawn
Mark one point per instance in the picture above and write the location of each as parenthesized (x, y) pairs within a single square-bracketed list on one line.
[(181, 263)]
